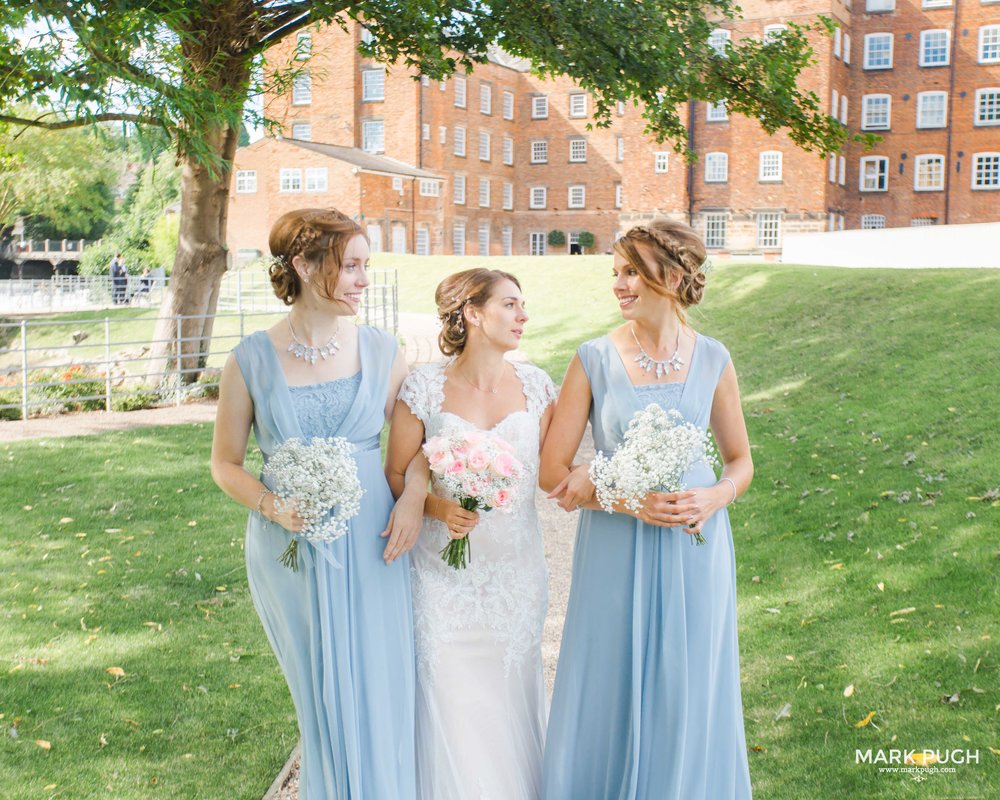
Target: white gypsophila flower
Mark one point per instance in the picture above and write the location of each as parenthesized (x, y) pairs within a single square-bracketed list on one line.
[(321, 477), (658, 448)]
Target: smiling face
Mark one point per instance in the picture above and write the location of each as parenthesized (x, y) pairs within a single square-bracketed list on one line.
[(346, 290), (636, 299), (501, 319)]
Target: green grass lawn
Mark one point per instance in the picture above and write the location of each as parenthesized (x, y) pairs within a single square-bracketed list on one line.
[(867, 553)]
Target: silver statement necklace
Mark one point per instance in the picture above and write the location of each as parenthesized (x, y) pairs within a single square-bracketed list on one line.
[(647, 363), (307, 352)]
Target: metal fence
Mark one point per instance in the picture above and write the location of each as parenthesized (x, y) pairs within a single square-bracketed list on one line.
[(54, 365)]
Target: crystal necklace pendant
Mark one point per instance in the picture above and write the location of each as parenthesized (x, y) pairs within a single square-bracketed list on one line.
[(649, 364), (307, 352)]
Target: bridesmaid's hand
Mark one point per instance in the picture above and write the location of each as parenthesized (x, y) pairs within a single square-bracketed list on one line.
[(702, 504), (288, 517), (458, 520), (574, 490), (667, 509), (404, 525)]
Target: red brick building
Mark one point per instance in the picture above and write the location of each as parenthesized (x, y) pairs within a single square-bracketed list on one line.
[(491, 162)]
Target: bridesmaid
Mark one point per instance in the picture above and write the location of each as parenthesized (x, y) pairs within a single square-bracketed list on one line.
[(340, 626), (647, 692)]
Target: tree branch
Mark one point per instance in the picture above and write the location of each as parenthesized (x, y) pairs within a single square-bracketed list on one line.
[(79, 122)]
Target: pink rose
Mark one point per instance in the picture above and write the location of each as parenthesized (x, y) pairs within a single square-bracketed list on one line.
[(436, 443), (474, 437), (456, 467), (503, 465), (436, 457), (502, 499), (478, 460)]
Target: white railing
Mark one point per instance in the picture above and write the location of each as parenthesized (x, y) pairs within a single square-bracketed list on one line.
[(54, 365)]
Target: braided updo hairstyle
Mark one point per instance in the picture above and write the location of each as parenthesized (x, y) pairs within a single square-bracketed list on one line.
[(471, 287), (320, 236), (673, 246)]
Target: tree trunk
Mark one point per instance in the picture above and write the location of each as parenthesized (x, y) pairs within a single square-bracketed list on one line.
[(184, 328)]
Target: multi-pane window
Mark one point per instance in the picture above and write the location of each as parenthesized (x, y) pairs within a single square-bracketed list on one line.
[(578, 104), (423, 241), (936, 3), (989, 44), (537, 243), (302, 131), (620, 148), (878, 51), (442, 134), (838, 36), (508, 197), (873, 175), (484, 237), (834, 100), (843, 109), (458, 145), (847, 48), (507, 240), (879, 6), (425, 131), (934, 46), (484, 192), (430, 188), (484, 146), (715, 229), (841, 170), (718, 39), (773, 33), (317, 179), (508, 105), (539, 107), (770, 166), (367, 37), (923, 222), (876, 111), (618, 195), (290, 180), (537, 198), (373, 136), (932, 108), (302, 89), (620, 108), (577, 149), (986, 171), (459, 84), (871, 222), (246, 181), (303, 46), (459, 190), (539, 151), (508, 150), (576, 197), (458, 238), (928, 173), (372, 84), (661, 162), (988, 106), (716, 167), (769, 229), (485, 99), (716, 112), (831, 169)]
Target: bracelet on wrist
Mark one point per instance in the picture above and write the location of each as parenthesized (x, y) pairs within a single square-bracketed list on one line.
[(260, 500), (733, 484)]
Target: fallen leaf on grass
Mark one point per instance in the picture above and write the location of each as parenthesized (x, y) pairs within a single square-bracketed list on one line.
[(43, 744), (921, 759), (995, 751), (881, 586), (900, 611), (849, 690), (951, 698), (866, 721), (65, 520), (784, 712), (117, 672), (49, 787), (103, 741)]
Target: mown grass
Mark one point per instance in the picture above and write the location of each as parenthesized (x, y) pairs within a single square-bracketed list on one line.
[(865, 554)]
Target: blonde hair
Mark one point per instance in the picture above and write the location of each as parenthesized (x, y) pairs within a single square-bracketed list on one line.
[(673, 246), (320, 236), (471, 287)]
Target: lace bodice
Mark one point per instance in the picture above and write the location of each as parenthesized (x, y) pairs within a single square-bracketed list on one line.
[(321, 407), (503, 590), (666, 395)]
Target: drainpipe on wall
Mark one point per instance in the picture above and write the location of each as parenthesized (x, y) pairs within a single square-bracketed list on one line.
[(950, 122), (413, 214), (420, 122), (690, 167)]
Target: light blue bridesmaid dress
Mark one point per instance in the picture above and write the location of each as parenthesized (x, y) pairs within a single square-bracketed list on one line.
[(341, 626), (646, 704)]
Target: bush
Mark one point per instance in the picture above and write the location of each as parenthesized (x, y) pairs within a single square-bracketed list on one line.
[(163, 241), (135, 401), (586, 240), (10, 397), (75, 388), (96, 258), (557, 238)]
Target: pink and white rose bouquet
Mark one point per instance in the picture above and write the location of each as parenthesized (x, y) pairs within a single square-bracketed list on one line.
[(480, 471)]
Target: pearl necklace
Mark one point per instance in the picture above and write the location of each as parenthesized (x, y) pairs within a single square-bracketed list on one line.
[(307, 352), (647, 363)]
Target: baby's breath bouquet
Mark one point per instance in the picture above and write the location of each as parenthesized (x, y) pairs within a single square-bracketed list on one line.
[(321, 478), (659, 447)]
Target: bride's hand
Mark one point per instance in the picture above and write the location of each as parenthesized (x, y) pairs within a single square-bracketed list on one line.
[(287, 517), (667, 509), (458, 520), (404, 525), (574, 490)]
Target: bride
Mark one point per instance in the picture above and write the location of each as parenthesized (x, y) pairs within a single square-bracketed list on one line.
[(480, 691)]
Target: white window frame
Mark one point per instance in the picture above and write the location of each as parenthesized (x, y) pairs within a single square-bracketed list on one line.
[(458, 238), (246, 181), (716, 167), (538, 197), (619, 148), (768, 224), (879, 6), (485, 99), (508, 105), (577, 105), (769, 166), (423, 241), (831, 169), (718, 39), (834, 101), (483, 237), (373, 85), (773, 32), (539, 151), (881, 176), (540, 106), (926, 47), (578, 150), (537, 243), (576, 196), (508, 151), (989, 36), (460, 91), (716, 220), (302, 89), (618, 195), (923, 102), (425, 132), (298, 128), (868, 101), (508, 196), (458, 190), (880, 36), (979, 171), (936, 3), (442, 134), (485, 146), (843, 109), (484, 192), (367, 127), (290, 179), (983, 105), (716, 112), (317, 179), (847, 49), (838, 36), (841, 170), (458, 141), (303, 46), (661, 162), (872, 222), (367, 37), (922, 172), (507, 240), (430, 188)]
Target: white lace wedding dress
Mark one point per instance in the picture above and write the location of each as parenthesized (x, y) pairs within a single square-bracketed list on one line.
[(480, 691)]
